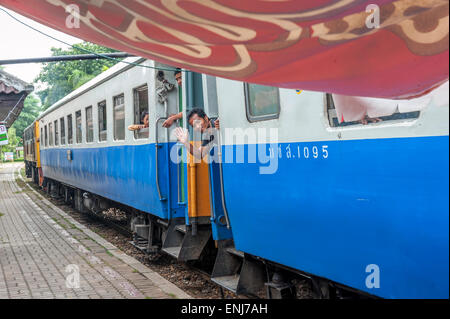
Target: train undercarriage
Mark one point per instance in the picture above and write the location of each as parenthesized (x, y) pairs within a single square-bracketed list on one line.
[(231, 269)]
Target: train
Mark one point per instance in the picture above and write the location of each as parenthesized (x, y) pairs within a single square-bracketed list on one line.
[(294, 188)]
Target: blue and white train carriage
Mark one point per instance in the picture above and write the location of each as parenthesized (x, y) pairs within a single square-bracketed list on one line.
[(88, 153), (364, 206), (353, 206)]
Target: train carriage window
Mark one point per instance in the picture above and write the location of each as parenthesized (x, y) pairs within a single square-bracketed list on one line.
[(102, 133), (262, 102), (141, 110), (63, 130), (56, 133), (119, 117), (79, 132), (46, 137), (355, 110), (41, 136), (50, 134), (89, 125), (69, 129)]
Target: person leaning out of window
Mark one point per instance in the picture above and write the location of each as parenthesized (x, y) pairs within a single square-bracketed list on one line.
[(144, 123)]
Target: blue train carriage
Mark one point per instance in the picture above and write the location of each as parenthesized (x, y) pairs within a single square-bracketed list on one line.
[(90, 158), (307, 188)]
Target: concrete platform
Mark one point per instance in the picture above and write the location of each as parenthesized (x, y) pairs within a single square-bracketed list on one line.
[(44, 253)]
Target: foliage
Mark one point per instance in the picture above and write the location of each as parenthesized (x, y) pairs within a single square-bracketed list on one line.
[(31, 109), (61, 78)]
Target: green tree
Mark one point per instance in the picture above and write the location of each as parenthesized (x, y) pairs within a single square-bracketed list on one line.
[(61, 78), (31, 109)]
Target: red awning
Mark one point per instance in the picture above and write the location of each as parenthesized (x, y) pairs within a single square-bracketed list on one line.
[(321, 45)]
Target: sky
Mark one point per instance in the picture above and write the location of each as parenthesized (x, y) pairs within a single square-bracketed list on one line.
[(23, 42)]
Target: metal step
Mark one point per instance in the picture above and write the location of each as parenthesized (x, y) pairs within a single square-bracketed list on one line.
[(172, 251), (181, 228), (227, 282), (235, 252)]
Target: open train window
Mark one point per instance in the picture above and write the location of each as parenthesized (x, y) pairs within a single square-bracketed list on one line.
[(102, 133), (56, 133), (89, 125), (119, 117), (69, 129), (346, 114), (140, 95), (41, 142), (262, 102), (63, 130), (50, 134), (78, 127)]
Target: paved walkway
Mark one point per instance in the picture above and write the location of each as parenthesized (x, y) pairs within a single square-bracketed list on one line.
[(44, 253)]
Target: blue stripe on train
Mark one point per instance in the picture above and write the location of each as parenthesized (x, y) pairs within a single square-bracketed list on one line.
[(378, 201), (126, 174)]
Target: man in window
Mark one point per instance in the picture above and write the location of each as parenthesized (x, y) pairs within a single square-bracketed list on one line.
[(201, 123), (174, 117), (144, 123), (178, 76)]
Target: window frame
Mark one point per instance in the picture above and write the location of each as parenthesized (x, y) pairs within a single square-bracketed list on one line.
[(333, 121), (46, 135), (55, 124), (62, 128), (50, 134), (81, 128), (87, 125), (69, 129), (136, 103), (258, 118), (102, 104), (114, 117)]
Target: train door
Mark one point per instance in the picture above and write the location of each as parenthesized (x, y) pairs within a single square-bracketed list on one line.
[(187, 240), (199, 208)]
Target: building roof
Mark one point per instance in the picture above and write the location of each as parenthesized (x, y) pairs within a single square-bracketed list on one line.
[(13, 92)]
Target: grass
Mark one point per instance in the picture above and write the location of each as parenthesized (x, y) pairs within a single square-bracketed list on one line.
[(72, 226), (59, 223), (2, 214), (20, 183)]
